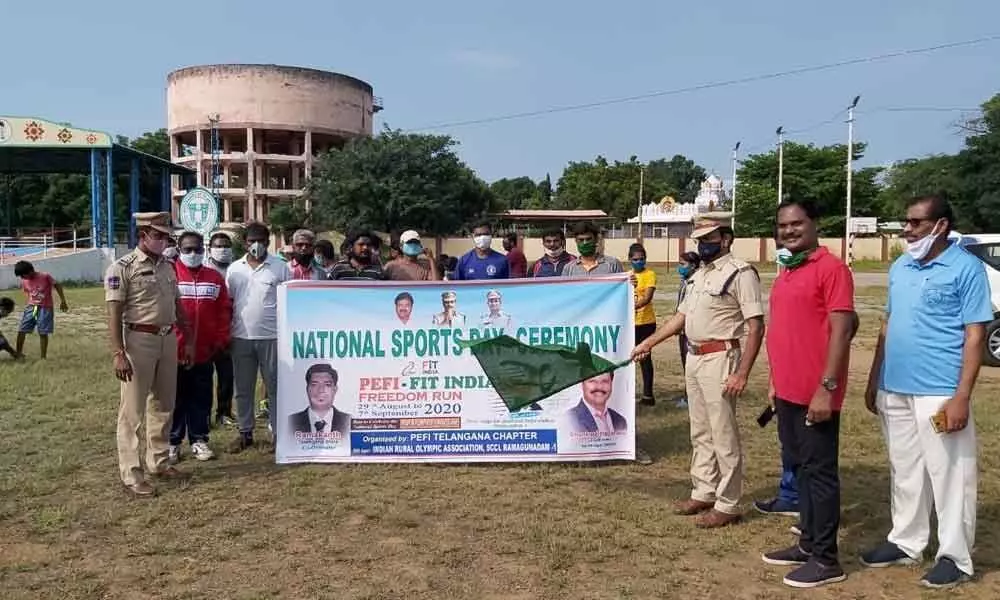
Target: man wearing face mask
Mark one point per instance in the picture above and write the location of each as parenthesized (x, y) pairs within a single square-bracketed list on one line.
[(220, 256), (324, 257), (591, 262), (482, 262), (722, 303), (926, 362), (206, 306), (144, 313), (361, 263), (416, 263), (555, 259), (253, 286), (170, 252), (301, 264)]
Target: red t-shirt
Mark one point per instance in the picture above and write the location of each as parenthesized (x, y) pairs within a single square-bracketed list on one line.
[(38, 290), (518, 263), (798, 329)]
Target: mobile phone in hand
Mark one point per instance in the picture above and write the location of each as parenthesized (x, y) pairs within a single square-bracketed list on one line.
[(766, 416), (939, 422)]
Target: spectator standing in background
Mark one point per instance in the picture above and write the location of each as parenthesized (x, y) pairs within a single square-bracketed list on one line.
[(516, 261), (220, 256), (482, 262), (555, 259), (300, 263), (591, 261)]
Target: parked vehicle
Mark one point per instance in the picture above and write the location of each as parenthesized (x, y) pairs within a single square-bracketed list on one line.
[(986, 247)]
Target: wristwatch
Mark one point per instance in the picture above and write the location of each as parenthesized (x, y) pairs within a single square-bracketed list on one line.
[(829, 384)]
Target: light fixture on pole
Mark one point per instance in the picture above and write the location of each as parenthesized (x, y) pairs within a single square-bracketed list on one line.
[(732, 196), (781, 160), (848, 230)]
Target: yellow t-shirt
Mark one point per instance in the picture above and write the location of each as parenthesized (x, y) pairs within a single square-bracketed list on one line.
[(644, 280)]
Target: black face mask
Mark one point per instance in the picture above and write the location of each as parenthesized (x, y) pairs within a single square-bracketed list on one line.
[(709, 250), (304, 259)]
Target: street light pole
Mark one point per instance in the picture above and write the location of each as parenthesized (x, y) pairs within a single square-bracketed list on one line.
[(781, 160), (848, 230), (732, 203), (642, 173)]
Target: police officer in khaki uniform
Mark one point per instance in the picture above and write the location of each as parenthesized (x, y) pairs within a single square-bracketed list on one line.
[(723, 303), (142, 298)]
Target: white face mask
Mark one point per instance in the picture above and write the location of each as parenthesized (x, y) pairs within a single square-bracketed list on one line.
[(170, 253), (554, 253), (192, 260), (223, 256), (258, 250), (918, 250), (482, 241)]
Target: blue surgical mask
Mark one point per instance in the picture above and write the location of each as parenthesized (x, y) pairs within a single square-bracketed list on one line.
[(684, 271), (639, 265), (412, 249), (709, 250)]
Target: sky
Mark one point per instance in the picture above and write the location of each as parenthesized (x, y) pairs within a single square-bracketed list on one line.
[(103, 65)]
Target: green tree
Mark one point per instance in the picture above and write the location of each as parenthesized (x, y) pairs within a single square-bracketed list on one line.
[(680, 178), (155, 143), (977, 194), (756, 203), (286, 217), (938, 174), (813, 173), (512, 194), (396, 181)]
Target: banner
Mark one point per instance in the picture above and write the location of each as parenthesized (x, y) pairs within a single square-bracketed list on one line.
[(374, 371)]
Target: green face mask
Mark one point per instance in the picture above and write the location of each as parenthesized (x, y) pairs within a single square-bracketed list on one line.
[(588, 248), (791, 261)]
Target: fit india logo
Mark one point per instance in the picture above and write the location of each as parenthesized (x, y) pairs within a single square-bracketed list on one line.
[(199, 211), (5, 130)]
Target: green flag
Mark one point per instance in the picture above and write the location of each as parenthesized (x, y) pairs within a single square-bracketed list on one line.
[(523, 374)]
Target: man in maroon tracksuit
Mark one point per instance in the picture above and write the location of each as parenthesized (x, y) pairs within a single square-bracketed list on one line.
[(208, 310)]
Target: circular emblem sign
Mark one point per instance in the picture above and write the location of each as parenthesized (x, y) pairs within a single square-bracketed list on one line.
[(199, 211), (5, 131)]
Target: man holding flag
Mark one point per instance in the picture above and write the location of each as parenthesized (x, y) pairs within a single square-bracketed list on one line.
[(723, 303)]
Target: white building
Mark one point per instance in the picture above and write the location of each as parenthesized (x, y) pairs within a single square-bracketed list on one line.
[(668, 218)]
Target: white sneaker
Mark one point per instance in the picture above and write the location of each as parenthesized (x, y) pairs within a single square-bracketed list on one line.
[(201, 451), (175, 455)]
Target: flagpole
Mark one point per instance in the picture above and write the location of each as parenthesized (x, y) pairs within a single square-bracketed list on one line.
[(848, 233)]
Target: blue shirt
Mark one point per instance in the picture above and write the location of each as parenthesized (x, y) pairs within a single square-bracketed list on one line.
[(470, 266), (929, 306)]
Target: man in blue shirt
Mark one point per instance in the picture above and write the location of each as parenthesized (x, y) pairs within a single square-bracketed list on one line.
[(482, 262), (926, 362)]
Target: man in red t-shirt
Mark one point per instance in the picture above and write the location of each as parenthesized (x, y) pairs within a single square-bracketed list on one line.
[(38, 306), (811, 322), (516, 260)]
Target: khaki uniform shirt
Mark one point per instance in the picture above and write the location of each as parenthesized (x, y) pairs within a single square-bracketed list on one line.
[(710, 315), (146, 287)]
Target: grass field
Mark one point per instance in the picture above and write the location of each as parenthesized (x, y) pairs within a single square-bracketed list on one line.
[(244, 528)]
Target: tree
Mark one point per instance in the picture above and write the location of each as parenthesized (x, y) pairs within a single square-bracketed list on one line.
[(938, 174), (156, 143), (514, 193), (396, 181), (812, 173), (679, 178), (286, 217), (977, 193), (756, 203)]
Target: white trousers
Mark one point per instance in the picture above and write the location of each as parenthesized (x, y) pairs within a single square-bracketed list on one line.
[(925, 467)]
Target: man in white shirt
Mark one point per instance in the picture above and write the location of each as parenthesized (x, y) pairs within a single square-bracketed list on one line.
[(253, 286)]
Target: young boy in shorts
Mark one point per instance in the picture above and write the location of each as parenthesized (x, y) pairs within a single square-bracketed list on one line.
[(39, 309)]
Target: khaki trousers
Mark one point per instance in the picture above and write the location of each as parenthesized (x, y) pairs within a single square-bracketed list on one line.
[(148, 399), (717, 466)]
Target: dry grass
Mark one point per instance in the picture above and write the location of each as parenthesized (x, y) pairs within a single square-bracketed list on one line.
[(247, 529)]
